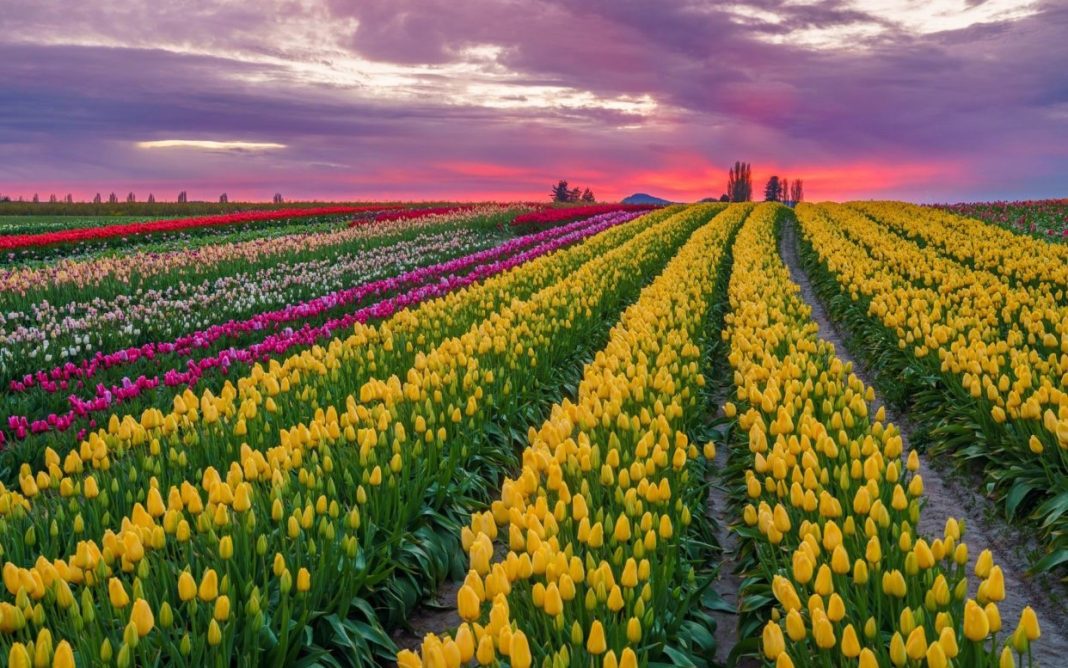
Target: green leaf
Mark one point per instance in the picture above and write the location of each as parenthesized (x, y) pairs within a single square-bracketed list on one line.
[(1050, 561), (1017, 494), (679, 658)]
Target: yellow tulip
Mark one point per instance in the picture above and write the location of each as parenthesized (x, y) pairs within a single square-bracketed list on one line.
[(916, 645), (187, 586), (214, 633), (850, 642), (468, 603), (1006, 660), (1029, 624), (867, 659), (209, 586), (634, 630), (773, 642), (595, 641), (519, 651), (142, 617), (948, 640), (898, 654), (465, 642), (936, 656), (303, 580), (64, 656), (993, 616), (984, 563), (486, 653), (823, 632), (995, 585), (43, 649), (18, 657), (795, 626), (976, 625), (117, 594), (222, 608)]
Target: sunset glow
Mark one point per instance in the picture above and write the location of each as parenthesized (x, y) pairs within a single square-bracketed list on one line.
[(493, 98)]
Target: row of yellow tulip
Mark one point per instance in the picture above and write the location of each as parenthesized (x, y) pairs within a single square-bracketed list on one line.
[(596, 520), (831, 506), (997, 353), (251, 565), (975, 243), (167, 446)]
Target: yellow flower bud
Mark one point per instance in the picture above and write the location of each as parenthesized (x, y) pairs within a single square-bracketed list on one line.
[(595, 642), (773, 642), (976, 625), (468, 603), (209, 586), (187, 586), (214, 633), (1029, 624), (142, 617), (64, 656), (1006, 660), (850, 642), (898, 655), (222, 608), (117, 594), (519, 651), (485, 653)]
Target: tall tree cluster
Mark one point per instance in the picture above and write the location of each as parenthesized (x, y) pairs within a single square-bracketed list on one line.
[(740, 183), (561, 192), (783, 190)]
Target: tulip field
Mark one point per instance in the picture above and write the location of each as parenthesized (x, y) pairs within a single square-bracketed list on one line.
[(280, 438)]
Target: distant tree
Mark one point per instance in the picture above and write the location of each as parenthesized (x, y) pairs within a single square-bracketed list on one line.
[(52, 199), (113, 198), (724, 198), (131, 198), (587, 196), (278, 198), (773, 190), (560, 192), (183, 197), (784, 188), (4, 198), (70, 199), (797, 191), (740, 182), (223, 199), (96, 200), (151, 198), (574, 194), (36, 199)]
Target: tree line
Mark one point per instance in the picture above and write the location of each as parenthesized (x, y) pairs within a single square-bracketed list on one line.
[(562, 193), (777, 189)]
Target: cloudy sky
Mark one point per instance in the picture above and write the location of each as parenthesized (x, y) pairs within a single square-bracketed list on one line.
[(339, 99)]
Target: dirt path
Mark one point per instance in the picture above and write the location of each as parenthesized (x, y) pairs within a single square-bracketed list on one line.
[(439, 616), (948, 494), (728, 582)]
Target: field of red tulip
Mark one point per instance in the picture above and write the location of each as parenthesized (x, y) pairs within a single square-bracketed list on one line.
[(488, 434), (1047, 218)]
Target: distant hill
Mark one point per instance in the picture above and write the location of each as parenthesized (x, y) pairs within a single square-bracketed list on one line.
[(642, 198)]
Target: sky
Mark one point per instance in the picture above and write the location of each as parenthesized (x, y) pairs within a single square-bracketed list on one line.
[(923, 100)]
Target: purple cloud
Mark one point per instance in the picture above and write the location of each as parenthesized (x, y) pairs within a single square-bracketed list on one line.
[(493, 98)]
